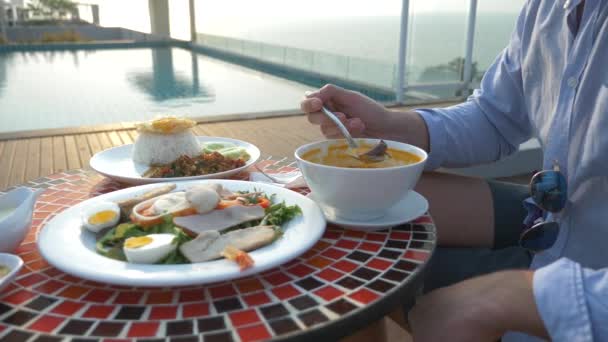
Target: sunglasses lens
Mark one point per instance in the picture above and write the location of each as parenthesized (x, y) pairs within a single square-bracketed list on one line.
[(540, 237), (549, 190)]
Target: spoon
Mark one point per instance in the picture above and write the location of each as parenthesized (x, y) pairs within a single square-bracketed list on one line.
[(374, 155)]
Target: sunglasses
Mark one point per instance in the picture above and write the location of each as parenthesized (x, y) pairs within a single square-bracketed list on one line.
[(548, 191)]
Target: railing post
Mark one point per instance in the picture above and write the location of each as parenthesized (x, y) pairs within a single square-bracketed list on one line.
[(401, 81), (467, 74), (192, 10)]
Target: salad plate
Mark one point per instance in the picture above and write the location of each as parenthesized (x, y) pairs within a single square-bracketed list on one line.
[(65, 244), (117, 163)]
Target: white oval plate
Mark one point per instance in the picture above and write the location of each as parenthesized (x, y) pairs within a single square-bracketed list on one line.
[(70, 248), (117, 163)]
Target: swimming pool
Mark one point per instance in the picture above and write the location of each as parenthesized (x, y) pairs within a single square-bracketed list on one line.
[(70, 88)]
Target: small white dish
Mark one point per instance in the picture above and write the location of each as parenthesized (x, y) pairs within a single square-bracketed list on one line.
[(117, 163), (76, 253), (412, 206), (16, 210), (14, 264)]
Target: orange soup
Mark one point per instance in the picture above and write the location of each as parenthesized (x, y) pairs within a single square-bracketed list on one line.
[(337, 155)]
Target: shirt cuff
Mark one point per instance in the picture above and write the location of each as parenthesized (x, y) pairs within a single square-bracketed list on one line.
[(437, 138), (560, 299)]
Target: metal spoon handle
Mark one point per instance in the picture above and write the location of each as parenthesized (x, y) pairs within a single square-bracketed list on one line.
[(351, 142)]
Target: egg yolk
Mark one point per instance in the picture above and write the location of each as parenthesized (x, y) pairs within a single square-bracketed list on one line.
[(136, 242), (102, 217)]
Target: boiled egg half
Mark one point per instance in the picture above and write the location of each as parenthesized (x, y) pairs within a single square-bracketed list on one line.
[(100, 215), (148, 249)]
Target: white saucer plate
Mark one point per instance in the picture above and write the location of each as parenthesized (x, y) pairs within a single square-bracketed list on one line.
[(117, 163), (412, 206)]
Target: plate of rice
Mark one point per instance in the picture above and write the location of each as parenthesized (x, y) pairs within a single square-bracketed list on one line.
[(167, 150)]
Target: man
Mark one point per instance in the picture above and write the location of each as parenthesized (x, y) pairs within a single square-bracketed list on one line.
[(551, 83)]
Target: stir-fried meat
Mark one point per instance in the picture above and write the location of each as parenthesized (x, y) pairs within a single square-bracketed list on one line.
[(185, 166)]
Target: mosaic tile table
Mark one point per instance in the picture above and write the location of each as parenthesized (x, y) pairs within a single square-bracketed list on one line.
[(346, 281)]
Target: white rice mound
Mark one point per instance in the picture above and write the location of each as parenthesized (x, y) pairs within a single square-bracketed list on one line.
[(155, 148)]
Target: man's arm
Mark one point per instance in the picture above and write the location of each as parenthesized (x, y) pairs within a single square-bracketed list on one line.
[(492, 123)]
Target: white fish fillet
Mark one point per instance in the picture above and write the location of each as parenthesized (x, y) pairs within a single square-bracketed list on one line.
[(210, 244), (220, 219)]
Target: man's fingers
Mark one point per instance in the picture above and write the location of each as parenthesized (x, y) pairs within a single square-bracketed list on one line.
[(319, 118), (311, 105)]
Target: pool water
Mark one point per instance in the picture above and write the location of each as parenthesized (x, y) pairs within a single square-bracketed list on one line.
[(55, 89)]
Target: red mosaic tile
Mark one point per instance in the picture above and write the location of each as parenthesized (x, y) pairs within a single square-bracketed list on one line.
[(38, 265), (364, 296), (195, 310), (416, 255), (285, 292), (19, 297), (46, 323), (400, 235), (130, 297), (74, 292), (26, 248), (308, 254), (328, 293), (160, 298), (2, 328), (67, 308), (356, 234), (371, 247), (143, 329), (50, 287), (319, 262), (163, 312), (71, 279), (195, 295), (334, 254), (222, 291), (320, 245), (329, 274), (257, 299), (249, 285), (331, 235), (254, 333), (277, 278), (345, 266), (98, 296), (29, 257), (346, 244), (244, 317), (376, 237), (52, 272), (379, 264), (32, 279), (300, 270), (98, 311), (9, 288)]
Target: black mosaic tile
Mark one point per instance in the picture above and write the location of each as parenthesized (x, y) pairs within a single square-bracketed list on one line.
[(84, 340), (309, 283), (274, 311), (4, 308), (380, 286), (421, 245), (225, 336), (227, 304), (41, 180), (76, 327), (108, 329), (211, 323), (19, 318), (388, 254), (16, 336), (349, 283), (396, 244), (57, 181), (180, 328), (303, 302), (151, 340), (365, 273), (341, 306), (130, 312), (42, 186), (395, 275), (421, 236), (420, 228), (312, 318), (41, 303), (185, 339), (403, 227), (283, 326), (47, 338), (359, 256), (405, 265)]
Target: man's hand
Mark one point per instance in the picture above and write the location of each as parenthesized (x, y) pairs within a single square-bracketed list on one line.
[(478, 309), (363, 117)]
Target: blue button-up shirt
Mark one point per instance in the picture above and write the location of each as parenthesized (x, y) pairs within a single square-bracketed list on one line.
[(551, 82)]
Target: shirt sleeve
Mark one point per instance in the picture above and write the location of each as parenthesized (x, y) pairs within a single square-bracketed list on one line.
[(572, 301), (492, 123)]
